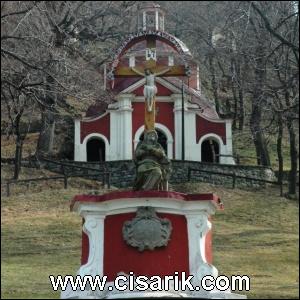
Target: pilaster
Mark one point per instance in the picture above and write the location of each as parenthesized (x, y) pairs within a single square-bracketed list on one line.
[(198, 226)]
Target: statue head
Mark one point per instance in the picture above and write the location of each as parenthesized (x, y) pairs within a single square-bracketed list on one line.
[(150, 137), (148, 71)]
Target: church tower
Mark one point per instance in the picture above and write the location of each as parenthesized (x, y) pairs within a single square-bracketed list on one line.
[(151, 17)]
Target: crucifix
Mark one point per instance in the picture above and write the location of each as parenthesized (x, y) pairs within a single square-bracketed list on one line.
[(150, 88), (150, 69)]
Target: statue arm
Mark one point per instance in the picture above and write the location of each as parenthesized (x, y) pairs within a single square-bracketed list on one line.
[(137, 71), (139, 152), (158, 153), (163, 71)]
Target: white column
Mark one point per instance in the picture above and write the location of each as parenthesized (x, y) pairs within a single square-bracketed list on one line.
[(191, 147), (177, 125), (104, 77), (171, 60), (144, 21), (156, 20), (114, 135), (125, 114), (228, 149), (121, 128), (79, 149), (94, 228), (170, 149), (198, 226), (131, 61), (198, 78)]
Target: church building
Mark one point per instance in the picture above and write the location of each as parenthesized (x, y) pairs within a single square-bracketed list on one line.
[(187, 123)]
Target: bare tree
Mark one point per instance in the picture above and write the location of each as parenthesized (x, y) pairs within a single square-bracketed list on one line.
[(60, 46), (52, 53), (248, 52)]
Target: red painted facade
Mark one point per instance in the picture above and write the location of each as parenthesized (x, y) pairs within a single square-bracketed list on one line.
[(192, 81), (84, 248), (101, 125), (121, 84), (120, 257), (204, 127), (165, 116)]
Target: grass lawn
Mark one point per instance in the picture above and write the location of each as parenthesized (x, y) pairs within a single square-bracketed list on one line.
[(256, 234), (244, 146)]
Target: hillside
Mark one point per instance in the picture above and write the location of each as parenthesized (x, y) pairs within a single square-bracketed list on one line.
[(256, 234)]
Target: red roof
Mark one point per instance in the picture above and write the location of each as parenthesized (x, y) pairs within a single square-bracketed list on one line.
[(208, 108), (96, 109)]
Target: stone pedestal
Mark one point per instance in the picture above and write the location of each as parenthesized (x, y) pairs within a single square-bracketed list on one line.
[(146, 233)]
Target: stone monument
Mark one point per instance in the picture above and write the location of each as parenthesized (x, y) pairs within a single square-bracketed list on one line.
[(148, 231)]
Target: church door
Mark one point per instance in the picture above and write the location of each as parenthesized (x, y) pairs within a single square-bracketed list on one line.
[(95, 149), (210, 151)]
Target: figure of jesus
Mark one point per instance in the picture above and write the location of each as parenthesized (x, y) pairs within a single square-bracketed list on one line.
[(150, 89)]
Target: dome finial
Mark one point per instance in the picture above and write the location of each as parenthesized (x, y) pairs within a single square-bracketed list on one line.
[(150, 16)]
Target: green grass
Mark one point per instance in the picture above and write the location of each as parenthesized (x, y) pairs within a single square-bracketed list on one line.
[(256, 234), (40, 237), (243, 145)]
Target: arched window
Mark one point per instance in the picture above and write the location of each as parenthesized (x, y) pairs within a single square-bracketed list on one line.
[(162, 139), (210, 151), (95, 149)]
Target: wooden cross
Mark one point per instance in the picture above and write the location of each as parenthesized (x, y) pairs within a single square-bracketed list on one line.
[(157, 70)]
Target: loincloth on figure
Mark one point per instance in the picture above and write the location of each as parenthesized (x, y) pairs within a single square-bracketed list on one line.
[(150, 91)]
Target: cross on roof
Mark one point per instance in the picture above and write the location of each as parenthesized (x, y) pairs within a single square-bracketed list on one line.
[(151, 63)]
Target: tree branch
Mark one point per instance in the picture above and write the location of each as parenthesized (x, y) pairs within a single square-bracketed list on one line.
[(19, 12), (272, 31)]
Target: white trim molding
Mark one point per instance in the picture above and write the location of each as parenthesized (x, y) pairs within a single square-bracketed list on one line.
[(83, 151), (94, 118), (162, 204), (217, 138), (78, 149), (93, 227), (162, 128), (198, 226), (214, 120)]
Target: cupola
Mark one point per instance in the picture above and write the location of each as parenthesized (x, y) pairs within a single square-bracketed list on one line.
[(151, 17)]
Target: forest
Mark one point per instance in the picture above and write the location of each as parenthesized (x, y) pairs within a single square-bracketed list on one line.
[(53, 54)]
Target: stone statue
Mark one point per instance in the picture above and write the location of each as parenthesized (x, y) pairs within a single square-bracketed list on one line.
[(152, 164), (150, 88)]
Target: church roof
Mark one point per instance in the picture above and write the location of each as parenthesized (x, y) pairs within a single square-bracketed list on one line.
[(183, 46), (207, 107), (96, 109)]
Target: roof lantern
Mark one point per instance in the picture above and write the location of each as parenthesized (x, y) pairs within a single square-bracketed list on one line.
[(151, 17)]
